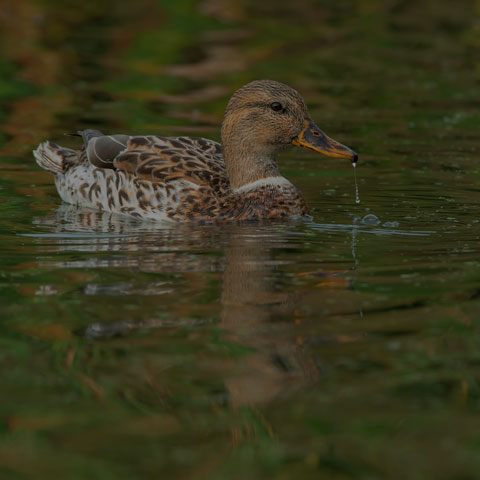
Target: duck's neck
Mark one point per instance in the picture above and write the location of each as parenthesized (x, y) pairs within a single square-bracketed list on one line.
[(247, 155), (246, 165)]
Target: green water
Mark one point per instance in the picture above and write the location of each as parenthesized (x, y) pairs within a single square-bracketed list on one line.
[(342, 347)]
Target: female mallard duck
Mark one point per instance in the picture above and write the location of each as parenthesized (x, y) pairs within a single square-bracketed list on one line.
[(180, 178)]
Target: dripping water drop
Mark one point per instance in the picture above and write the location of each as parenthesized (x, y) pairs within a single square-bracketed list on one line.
[(357, 196)]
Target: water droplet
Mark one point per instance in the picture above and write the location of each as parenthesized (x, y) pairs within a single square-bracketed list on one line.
[(370, 219), (357, 197)]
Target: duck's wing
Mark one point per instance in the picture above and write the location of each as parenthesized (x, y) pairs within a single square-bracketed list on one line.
[(161, 159)]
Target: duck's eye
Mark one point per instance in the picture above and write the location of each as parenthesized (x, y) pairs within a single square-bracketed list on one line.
[(276, 106)]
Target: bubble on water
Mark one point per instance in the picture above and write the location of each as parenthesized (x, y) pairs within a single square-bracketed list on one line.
[(356, 220), (390, 224), (370, 219)]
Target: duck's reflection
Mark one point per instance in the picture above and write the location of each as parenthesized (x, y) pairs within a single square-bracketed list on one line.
[(249, 304), (254, 312)]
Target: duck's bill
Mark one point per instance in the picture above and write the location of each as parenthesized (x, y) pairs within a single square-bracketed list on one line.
[(312, 137)]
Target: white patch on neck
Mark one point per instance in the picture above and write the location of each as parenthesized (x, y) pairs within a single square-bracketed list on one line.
[(263, 182)]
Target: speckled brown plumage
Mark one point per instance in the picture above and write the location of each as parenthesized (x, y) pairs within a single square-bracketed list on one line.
[(181, 178)]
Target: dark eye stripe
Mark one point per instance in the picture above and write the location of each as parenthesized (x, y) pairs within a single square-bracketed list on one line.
[(265, 105)]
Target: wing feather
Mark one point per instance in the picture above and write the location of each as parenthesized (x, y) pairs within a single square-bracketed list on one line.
[(165, 159)]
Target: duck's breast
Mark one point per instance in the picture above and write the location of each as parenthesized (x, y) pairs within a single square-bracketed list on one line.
[(273, 197)]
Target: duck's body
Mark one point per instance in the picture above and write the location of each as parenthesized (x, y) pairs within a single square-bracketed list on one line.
[(165, 178), (181, 179)]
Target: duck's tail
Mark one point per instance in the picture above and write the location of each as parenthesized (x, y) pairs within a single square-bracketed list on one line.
[(54, 158)]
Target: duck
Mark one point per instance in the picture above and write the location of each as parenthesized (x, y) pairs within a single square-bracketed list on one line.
[(183, 179)]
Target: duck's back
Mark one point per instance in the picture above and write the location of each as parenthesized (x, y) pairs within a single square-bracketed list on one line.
[(154, 177), (167, 159)]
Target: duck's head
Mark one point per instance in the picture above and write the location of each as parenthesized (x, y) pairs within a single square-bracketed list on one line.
[(263, 118)]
